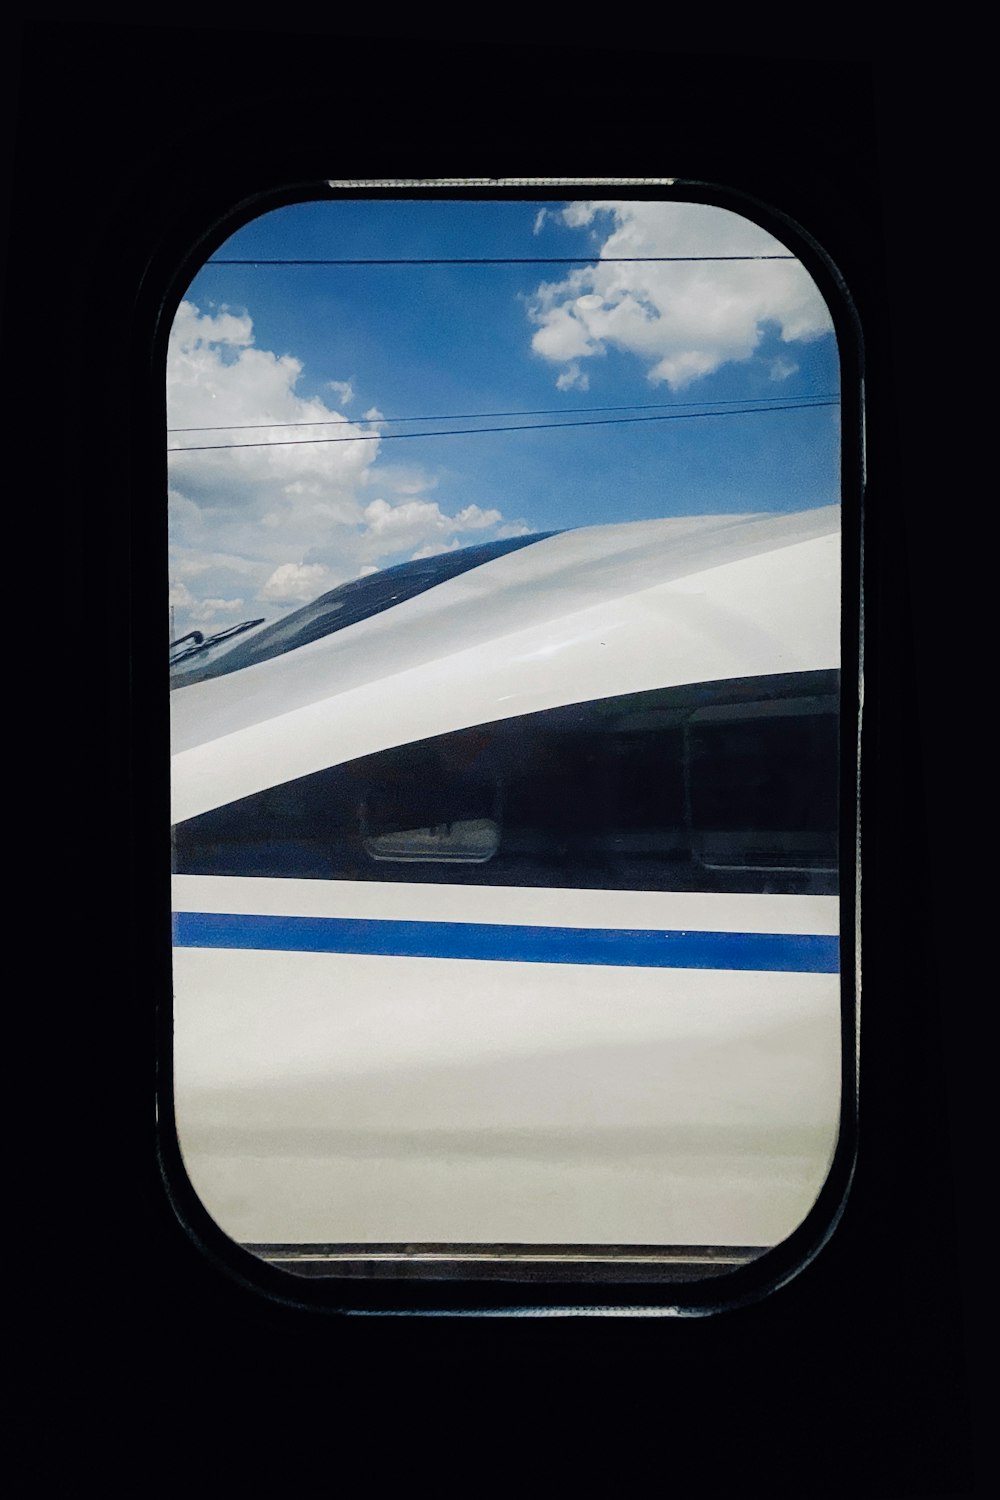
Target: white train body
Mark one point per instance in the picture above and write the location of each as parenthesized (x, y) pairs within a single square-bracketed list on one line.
[(455, 1032)]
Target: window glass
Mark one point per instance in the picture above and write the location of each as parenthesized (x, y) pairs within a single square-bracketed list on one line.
[(505, 619), (648, 792), (763, 784)]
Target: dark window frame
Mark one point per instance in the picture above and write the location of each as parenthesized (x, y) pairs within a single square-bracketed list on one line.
[(594, 1285), (835, 126)]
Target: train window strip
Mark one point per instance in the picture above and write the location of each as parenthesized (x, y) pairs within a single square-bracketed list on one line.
[(729, 786)]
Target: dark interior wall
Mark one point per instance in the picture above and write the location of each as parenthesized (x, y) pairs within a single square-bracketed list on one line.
[(130, 141)]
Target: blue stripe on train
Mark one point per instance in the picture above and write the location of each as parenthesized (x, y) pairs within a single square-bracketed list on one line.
[(798, 953)]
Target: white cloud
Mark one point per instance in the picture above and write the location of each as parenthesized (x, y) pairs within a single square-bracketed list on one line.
[(242, 497), (285, 519), (682, 318), (782, 368), (576, 215), (434, 549), (563, 333), (397, 521), (471, 518), (573, 377), (182, 513), (295, 583), (196, 330), (179, 594), (190, 564), (238, 513), (206, 610), (416, 525)]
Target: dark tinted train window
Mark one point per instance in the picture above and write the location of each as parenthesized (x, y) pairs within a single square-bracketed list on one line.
[(721, 786), (430, 811), (761, 793)]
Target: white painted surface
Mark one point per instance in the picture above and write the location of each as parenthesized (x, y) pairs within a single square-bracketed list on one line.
[(344, 1098), (679, 911), (532, 630)]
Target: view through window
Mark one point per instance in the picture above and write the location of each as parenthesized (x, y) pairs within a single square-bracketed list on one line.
[(505, 677)]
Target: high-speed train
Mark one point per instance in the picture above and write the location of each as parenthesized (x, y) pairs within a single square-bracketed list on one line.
[(505, 900)]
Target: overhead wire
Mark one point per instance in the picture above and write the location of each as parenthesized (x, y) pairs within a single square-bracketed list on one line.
[(479, 260), (461, 416), (375, 437)]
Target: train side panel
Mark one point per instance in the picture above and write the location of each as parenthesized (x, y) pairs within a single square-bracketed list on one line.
[(353, 1097)]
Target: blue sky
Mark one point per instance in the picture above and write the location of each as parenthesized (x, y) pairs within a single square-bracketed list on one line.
[(259, 530)]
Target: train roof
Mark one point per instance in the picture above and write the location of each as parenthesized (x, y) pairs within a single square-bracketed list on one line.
[(348, 604), (546, 621)]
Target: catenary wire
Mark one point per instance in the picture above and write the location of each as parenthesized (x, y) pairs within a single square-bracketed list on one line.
[(376, 437), (499, 260), (461, 416)]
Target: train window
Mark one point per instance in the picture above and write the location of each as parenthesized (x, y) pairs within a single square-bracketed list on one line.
[(508, 735), (648, 792), (763, 787), (419, 816)]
